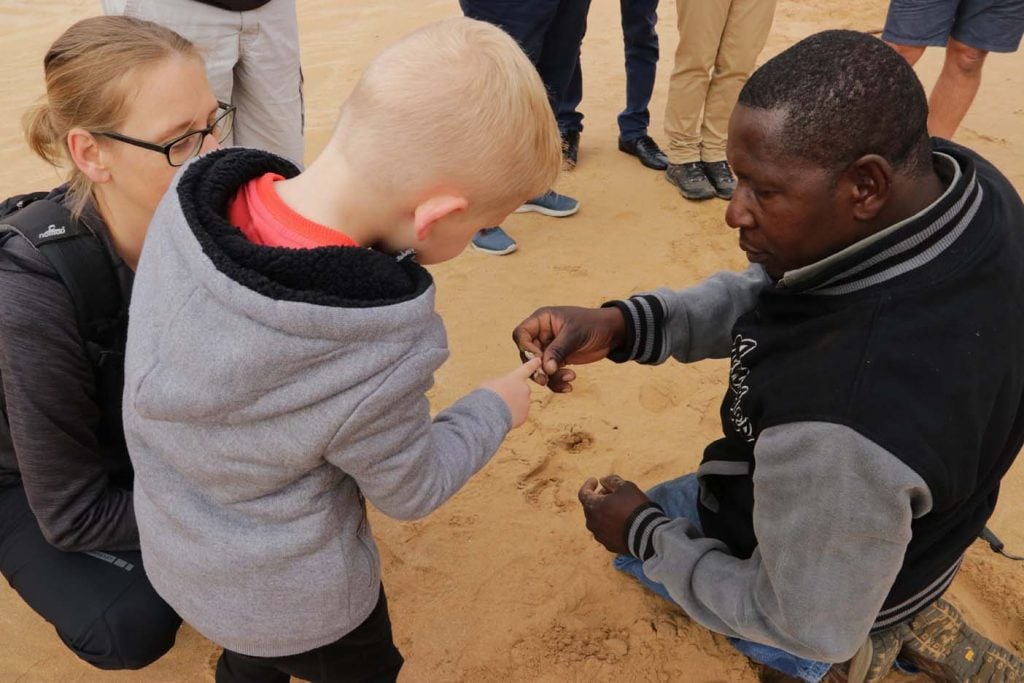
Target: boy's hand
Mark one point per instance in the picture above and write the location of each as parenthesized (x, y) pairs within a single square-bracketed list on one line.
[(563, 335), (515, 390)]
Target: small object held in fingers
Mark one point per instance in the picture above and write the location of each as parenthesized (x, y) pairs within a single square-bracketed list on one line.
[(539, 375)]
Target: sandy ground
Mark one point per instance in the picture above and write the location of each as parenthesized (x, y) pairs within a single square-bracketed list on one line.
[(504, 583)]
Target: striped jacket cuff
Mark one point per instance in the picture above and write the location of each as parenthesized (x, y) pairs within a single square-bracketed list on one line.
[(902, 612), (640, 530), (645, 334)]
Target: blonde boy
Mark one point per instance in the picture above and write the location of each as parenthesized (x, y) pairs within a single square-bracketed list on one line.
[(280, 348)]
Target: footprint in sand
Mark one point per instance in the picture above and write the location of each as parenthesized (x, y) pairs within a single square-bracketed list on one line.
[(574, 440), (659, 395), (541, 486)]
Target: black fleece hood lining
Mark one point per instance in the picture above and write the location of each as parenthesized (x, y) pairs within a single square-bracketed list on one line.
[(342, 277)]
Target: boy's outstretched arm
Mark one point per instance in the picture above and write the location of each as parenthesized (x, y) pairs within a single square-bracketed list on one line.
[(408, 464)]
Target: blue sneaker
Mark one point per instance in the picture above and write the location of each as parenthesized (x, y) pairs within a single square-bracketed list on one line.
[(493, 241), (551, 204)]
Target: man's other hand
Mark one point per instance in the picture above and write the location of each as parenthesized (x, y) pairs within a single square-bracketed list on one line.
[(607, 505)]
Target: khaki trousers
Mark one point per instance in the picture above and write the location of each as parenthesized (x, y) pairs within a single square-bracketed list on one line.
[(719, 41), (252, 61)]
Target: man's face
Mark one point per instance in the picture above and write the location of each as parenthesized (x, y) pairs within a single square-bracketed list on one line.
[(789, 211)]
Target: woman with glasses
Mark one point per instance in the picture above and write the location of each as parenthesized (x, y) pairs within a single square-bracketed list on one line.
[(126, 103)]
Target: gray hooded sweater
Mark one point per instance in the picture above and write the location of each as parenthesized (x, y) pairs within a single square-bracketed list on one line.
[(267, 390)]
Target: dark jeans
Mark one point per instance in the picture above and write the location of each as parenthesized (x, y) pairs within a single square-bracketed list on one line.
[(550, 32), (101, 604), (365, 655), (639, 18)]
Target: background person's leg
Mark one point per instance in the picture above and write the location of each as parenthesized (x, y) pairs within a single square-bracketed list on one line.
[(639, 18), (101, 604), (526, 21), (913, 25), (700, 24), (268, 81), (919, 23), (742, 39), (558, 62), (981, 26), (213, 30), (573, 97), (955, 89)]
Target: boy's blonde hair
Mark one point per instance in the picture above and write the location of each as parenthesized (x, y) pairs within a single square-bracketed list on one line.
[(89, 71), (457, 102)]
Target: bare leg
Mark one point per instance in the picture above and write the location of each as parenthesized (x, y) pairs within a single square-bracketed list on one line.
[(955, 89), (911, 53)]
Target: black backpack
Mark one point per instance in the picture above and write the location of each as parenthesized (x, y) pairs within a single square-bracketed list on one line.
[(83, 264)]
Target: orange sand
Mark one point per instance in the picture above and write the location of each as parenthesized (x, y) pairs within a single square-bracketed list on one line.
[(504, 583)]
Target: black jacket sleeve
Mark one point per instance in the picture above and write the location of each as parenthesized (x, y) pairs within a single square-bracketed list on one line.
[(52, 412)]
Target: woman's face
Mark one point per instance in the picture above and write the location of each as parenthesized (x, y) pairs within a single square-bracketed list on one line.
[(168, 99)]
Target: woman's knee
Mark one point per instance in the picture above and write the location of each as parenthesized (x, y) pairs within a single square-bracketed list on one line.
[(130, 634)]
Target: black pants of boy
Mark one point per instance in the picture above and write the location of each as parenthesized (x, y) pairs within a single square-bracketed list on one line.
[(364, 655), (101, 603)]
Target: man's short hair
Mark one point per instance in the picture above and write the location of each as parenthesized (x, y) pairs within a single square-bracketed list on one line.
[(845, 94)]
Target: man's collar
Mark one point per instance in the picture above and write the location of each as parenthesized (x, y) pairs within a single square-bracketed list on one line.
[(902, 246)]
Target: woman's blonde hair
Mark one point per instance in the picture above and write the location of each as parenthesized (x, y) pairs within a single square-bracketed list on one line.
[(87, 71)]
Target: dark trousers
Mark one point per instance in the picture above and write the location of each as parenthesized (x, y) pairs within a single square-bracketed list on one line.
[(365, 655), (101, 604), (639, 18), (550, 33)]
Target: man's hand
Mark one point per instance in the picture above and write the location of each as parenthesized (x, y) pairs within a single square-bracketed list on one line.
[(515, 390), (607, 506), (568, 335)]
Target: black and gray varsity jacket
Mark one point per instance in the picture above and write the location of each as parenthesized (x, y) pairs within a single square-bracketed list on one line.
[(876, 399)]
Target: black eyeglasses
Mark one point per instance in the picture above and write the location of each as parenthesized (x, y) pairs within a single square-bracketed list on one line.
[(184, 147)]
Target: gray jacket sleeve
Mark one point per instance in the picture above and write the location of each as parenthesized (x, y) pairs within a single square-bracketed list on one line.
[(52, 414), (406, 464), (690, 324), (832, 514)]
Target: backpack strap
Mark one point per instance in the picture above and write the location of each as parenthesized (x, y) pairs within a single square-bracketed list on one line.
[(83, 265)]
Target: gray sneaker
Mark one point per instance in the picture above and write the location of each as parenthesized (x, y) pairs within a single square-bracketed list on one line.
[(551, 204), (691, 180), (493, 241), (721, 177)]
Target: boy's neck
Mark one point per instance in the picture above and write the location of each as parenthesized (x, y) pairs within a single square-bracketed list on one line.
[(331, 193)]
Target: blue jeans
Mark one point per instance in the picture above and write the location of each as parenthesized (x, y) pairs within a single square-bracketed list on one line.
[(550, 33), (639, 18), (678, 498)]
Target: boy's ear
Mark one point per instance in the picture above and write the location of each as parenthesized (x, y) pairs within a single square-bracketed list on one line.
[(433, 209), (86, 155)]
